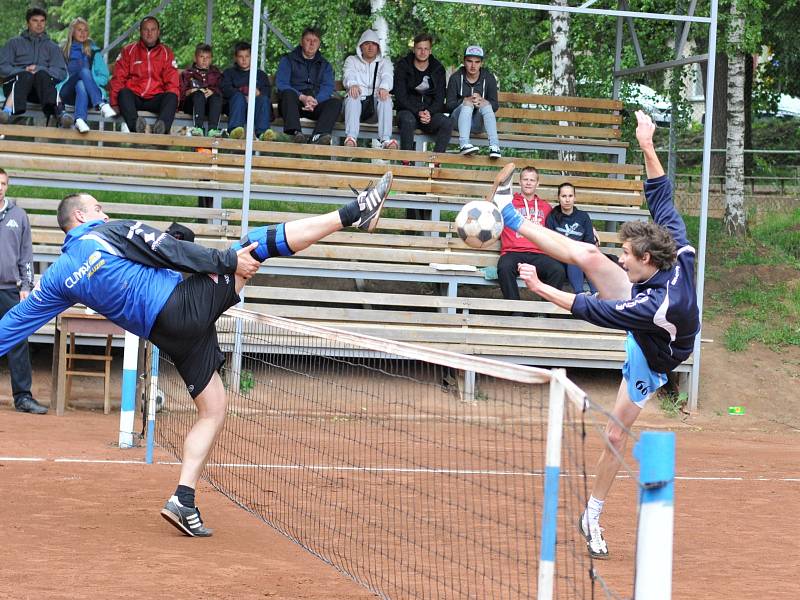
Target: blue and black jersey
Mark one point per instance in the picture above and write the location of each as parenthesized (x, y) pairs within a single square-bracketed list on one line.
[(662, 313), (124, 270)]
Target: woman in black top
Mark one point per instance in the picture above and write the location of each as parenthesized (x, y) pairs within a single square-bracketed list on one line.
[(575, 224)]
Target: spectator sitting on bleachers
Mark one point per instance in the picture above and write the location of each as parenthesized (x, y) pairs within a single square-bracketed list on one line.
[(88, 75), (146, 78), (235, 82), (31, 65), (368, 80), (574, 224), (201, 94), (305, 89), (472, 102), (515, 249), (419, 92)]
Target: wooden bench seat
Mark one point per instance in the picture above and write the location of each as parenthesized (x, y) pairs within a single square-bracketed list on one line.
[(524, 121), (158, 164)]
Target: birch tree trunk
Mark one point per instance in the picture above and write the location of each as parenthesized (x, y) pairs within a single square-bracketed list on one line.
[(380, 25), (735, 219), (562, 61)]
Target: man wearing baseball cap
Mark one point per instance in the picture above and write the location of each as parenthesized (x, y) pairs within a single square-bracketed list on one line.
[(472, 102)]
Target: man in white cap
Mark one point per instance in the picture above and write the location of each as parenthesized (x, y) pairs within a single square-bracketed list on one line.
[(472, 101), (368, 79)]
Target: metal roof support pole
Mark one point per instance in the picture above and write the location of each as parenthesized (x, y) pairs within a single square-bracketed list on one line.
[(701, 250), (209, 19), (107, 29)]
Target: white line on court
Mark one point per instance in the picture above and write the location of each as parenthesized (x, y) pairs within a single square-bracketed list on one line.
[(368, 469)]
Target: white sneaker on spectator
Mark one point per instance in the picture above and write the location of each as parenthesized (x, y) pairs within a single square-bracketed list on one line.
[(468, 149), (107, 111), (494, 152), (82, 126)]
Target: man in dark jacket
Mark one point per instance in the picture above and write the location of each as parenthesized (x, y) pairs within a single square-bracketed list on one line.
[(146, 78), (305, 89), (16, 283), (31, 65), (235, 82), (419, 93)]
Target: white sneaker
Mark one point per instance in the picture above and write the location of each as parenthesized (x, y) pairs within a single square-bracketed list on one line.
[(82, 126), (494, 152), (595, 543), (124, 128), (468, 149), (107, 111)]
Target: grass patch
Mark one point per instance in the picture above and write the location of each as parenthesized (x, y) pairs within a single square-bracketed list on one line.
[(761, 309), (673, 404)]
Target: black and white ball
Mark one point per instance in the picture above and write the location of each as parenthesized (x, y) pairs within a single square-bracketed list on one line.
[(479, 224)]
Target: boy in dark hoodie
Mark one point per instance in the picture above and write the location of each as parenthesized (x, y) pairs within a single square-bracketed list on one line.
[(305, 89), (235, 82), (472, 102), (419, 93), (201, 94)]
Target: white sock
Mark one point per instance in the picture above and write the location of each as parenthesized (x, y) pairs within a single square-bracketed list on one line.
[(593, 510)]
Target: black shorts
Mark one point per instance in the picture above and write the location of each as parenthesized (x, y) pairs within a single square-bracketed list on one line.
[(185, 329)]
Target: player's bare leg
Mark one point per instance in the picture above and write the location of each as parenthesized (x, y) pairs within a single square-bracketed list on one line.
[(624, 415), (609, 279)]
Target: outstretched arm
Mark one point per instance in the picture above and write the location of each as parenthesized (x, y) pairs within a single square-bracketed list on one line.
[(558, 297), (645, 129)]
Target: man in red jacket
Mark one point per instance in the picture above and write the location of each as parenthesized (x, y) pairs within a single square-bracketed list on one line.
[(146, 78), (515, 249)]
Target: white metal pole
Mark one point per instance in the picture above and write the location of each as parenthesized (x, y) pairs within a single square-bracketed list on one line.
[(656, 454), (552, 469), (701, 249), (128, 407), (152, 405), (107, 30)]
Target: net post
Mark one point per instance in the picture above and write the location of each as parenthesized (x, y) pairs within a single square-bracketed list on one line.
[(128, 407), (151, 405), (555, 424), (655, 452)]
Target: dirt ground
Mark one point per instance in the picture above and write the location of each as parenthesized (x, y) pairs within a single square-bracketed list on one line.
[(91, 530)]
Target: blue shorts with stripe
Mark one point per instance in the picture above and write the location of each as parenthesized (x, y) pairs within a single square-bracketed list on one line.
[(641, 380)]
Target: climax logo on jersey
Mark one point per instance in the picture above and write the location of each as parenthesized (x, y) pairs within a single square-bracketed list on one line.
[(12, 224), (94, 262)]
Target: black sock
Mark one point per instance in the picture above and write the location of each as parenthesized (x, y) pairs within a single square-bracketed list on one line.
[(185, 495), (349, 213)]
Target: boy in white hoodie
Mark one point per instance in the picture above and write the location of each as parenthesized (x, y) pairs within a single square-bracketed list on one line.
[(368, 79)]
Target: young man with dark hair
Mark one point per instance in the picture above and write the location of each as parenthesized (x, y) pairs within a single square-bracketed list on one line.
[(146, 78), (16, 283), (31, 65), (100, 260), (305, 89), (652, 296), (419, 93), (235, 88)]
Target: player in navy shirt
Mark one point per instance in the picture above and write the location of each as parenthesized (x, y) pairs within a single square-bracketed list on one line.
[(653, 297)]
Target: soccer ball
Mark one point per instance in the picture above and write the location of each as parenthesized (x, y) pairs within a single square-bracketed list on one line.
[(479, 224)]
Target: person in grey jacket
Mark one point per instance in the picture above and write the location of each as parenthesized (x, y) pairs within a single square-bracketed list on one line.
[(472, 102), (16, 282), (31, 65), (368, 80)]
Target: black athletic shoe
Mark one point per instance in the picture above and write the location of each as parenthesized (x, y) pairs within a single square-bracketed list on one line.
[(66, 120), (159, 127), (5, 117), (370, 202), (141, 125), (187, 520), (29, 405), (324, 139)]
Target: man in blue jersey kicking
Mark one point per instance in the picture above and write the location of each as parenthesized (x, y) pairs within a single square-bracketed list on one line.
[(653, 297), (131, 273)]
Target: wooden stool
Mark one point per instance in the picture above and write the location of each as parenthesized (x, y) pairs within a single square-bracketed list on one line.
[(72, 356), (73, 322)]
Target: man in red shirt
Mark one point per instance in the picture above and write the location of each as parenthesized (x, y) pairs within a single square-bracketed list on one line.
[(516, 249), (146, 78)]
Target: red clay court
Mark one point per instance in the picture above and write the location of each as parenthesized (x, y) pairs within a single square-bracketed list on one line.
[(80, 520)]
